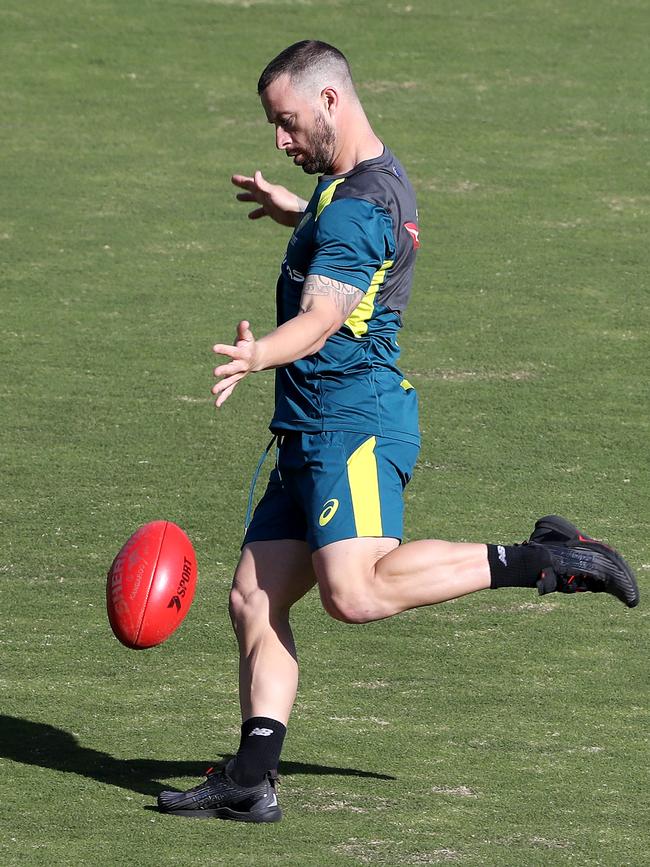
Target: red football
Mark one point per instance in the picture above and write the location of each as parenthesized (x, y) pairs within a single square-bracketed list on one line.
[(151, 585)]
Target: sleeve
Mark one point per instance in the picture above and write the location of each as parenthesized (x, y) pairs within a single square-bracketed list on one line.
[(353, 239)]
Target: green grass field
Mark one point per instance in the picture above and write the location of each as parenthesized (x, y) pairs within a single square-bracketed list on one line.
[(501, 729)]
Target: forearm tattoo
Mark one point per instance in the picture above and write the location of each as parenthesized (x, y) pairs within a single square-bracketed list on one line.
[(345, 297)]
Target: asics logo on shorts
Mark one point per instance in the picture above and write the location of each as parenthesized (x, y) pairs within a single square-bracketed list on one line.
[(329, 510)]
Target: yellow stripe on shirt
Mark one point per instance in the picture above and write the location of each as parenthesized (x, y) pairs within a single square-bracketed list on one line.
[(358, 320), (326, 196)]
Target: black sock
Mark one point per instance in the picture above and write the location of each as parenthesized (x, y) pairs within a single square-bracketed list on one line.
[(259, 750), (516, 565)]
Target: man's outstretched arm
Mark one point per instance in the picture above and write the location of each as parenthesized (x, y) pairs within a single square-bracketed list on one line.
[(324, 306)]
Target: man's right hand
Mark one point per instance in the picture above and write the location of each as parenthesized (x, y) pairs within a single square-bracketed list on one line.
[(275, 201)]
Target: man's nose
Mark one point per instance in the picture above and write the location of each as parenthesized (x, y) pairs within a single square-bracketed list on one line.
[(282, 139)]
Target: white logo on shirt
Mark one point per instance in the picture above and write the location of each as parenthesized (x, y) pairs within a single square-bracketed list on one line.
[(297, 276)]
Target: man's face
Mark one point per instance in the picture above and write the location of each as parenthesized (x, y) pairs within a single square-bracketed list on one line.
[(302, 129)]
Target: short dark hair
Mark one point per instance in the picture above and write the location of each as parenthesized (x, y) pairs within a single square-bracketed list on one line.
[(298, 59)]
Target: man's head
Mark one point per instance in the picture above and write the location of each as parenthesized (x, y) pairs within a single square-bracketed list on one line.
[(305, 91)]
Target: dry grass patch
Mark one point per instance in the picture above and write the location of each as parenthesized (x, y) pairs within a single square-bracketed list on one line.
[(455, 791)]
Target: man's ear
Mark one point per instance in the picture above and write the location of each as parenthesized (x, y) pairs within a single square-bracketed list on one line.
[(330, 99)]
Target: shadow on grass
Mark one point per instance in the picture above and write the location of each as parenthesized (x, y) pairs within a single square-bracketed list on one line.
[(35, 743)]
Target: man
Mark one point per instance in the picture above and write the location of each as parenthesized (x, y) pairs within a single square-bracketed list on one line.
[(346, 426)]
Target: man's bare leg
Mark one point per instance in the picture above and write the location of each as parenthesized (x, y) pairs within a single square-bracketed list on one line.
[(368, 579), (269, 579)]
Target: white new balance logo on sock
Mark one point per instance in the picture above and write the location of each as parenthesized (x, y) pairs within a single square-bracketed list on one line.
[(502, 554), (263, 733)]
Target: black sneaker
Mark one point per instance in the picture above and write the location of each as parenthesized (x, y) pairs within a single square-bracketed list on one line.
[(581, 563), (220, 797)]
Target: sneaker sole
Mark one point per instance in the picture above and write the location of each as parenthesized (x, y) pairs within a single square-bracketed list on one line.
[(625, 580), (273, 814)]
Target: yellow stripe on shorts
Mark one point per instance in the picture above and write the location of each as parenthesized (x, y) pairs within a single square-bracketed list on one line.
[(363, 478)]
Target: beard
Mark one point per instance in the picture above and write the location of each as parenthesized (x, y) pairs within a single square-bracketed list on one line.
[(318, 160)]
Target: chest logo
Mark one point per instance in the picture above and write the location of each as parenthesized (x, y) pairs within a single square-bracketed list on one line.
[(329, 510), (414, 232)]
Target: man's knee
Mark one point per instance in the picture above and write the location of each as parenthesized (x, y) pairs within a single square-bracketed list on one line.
[(270, 577), (347, 579), (248, 606), (238, 605), (349, 604)]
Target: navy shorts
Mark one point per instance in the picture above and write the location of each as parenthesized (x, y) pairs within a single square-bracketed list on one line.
[(334, 485)]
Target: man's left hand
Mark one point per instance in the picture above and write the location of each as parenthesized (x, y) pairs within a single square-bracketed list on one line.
[(243, 357)]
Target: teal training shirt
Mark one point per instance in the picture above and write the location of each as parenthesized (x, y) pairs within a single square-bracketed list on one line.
[(359, 228)]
